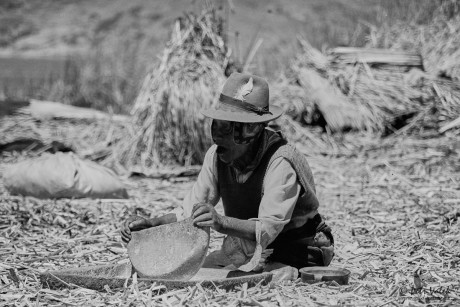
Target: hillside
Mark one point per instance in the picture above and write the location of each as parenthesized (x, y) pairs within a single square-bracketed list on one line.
[(60, 28)]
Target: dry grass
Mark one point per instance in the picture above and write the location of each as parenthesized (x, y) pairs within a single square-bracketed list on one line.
[(393, 206), (187, 79), (87, 138)]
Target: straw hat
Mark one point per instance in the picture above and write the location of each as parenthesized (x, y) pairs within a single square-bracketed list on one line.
[(244, 98)]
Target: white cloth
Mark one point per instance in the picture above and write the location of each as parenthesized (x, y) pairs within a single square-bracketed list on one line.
[(280, 193)]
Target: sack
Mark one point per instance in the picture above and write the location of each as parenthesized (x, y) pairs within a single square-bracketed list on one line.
[(62, 175)]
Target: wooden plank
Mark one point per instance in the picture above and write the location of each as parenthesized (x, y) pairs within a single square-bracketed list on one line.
[(46, 110), (348, 55)]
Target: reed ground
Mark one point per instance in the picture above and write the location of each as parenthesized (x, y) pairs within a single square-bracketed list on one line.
[(393, 207)]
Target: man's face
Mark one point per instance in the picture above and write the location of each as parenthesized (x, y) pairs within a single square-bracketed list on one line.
[(232, 145)]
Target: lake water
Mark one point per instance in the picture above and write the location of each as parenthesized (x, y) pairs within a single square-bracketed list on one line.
[(17, 72)]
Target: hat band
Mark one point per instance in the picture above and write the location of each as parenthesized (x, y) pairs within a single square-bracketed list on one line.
[(243, 105)]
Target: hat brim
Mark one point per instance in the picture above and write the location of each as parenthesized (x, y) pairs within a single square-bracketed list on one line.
[(243, 117)]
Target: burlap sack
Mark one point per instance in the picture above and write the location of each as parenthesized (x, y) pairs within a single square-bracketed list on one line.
[(62, 175)]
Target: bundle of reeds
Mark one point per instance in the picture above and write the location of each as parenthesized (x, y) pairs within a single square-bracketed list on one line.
[(384, 93), (405, 79), (378, 96), (319, 101), (88, 138), (438, 43), (300, 115), (170, 127), (294, 99)]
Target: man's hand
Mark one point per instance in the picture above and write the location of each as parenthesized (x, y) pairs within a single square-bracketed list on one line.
[(204, 214), (135, 223)]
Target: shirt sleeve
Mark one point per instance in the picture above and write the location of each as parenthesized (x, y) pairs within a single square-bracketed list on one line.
[(205, 188), (281, 191)]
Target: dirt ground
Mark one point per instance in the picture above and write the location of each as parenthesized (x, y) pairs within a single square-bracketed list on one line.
[(393, 205)]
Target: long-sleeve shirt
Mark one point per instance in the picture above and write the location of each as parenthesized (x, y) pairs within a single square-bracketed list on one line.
[(281, 191)]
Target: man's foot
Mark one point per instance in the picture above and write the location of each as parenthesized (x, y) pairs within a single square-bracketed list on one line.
[(281, 272)]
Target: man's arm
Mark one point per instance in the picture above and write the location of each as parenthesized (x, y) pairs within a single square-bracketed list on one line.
[(164, 219), (281, 194), (204, 214), (205, 189), (239, 228)]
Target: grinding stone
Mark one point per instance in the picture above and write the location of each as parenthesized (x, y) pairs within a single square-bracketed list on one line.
[(173, 251), (116, 276)]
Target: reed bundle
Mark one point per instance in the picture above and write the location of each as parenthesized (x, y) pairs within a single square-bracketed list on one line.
[(187, 79), (437, 42), (404, 81), (83, 136), (308, 96), (374, 96)]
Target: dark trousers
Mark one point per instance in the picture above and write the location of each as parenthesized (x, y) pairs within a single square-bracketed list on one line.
[(297, 247)]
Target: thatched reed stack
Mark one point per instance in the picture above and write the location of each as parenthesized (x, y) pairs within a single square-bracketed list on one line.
[(187, 79)]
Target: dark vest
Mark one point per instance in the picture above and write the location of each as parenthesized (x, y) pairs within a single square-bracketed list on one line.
[(242, 200)]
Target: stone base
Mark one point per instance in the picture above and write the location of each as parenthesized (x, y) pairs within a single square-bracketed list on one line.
[(116, 276)]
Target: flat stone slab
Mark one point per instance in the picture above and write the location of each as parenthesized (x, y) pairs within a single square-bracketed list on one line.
[(115, 276), (173, 251)]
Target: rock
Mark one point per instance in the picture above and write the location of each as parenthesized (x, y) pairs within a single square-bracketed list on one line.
[(174, 251)]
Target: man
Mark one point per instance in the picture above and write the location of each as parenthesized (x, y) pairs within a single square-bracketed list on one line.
[(271, 211)]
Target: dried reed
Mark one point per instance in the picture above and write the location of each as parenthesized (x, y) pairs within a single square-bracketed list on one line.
[(186, 80), (389, 98), (379, 99), (391, 205)]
